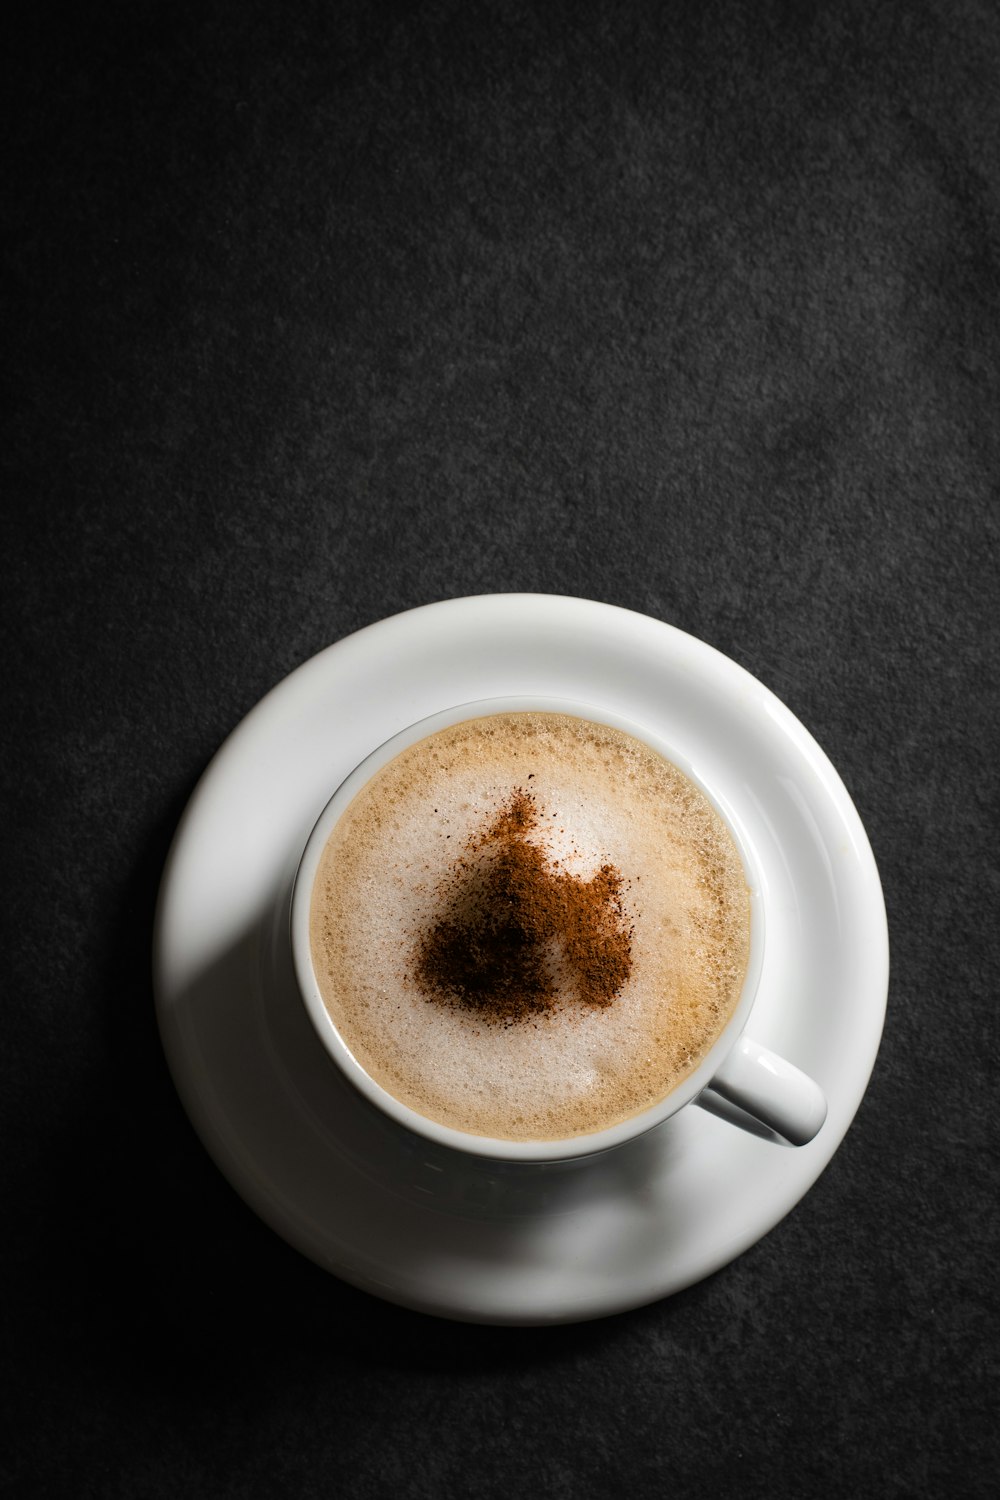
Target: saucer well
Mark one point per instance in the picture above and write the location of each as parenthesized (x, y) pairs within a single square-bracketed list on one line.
[(417, 1224)]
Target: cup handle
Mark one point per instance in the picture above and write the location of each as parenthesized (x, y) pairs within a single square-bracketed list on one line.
[(773, 1092)]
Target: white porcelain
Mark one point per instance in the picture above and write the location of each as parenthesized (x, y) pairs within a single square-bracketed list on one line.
[(767, 1089), (399, 1215)]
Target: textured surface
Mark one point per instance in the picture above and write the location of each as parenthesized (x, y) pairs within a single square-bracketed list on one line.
[(320, 312)]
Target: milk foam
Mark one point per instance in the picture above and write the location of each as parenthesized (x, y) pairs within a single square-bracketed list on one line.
[(603, 797)]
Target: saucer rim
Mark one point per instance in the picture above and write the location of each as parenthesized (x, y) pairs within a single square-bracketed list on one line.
[(298, 686)]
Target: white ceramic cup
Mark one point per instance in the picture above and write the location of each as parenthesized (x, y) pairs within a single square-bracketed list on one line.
[(763, 1092)]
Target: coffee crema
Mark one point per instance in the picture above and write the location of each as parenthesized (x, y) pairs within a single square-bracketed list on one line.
[(530, 926)]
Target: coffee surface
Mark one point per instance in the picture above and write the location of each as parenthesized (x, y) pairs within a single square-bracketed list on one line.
[(530, 926)]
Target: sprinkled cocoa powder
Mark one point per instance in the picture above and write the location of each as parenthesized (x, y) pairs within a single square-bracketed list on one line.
[(511, 919)]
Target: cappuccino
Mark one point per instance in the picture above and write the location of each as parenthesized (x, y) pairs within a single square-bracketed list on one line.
[(530, 926)]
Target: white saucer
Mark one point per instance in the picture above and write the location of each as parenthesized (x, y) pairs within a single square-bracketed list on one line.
[(395, 1215)]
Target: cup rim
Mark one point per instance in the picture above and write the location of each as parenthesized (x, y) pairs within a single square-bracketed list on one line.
[(497, 1148)]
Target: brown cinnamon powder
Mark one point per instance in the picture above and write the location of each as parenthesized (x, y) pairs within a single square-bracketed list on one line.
[(512, 920)]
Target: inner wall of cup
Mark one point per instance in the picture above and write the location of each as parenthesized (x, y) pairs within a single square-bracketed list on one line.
[(337, 1047)]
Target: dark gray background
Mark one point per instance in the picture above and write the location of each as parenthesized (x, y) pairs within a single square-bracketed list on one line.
[(321, 311)]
